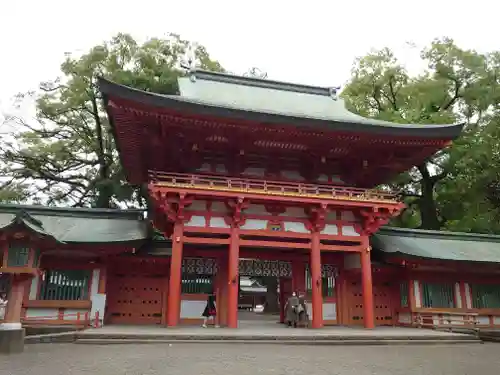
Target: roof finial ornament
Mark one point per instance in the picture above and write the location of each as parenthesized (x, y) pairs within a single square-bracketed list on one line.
[(255, 73), (188, 63), (334, 92)]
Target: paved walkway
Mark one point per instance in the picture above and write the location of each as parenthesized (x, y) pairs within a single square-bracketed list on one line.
[(226, 359)]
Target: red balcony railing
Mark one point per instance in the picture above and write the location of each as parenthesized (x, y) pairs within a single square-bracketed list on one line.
[(277, 188)]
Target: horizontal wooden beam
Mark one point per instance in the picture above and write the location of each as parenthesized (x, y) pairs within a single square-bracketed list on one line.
[(275, 244), (256, 197), (206, 241)]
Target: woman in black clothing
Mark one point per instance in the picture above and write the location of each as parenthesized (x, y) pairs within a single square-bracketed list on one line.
[(210, 310)]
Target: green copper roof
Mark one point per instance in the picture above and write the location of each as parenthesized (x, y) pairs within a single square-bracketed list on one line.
[(77, 225), (269, 102), (267, 96), (438, 245)]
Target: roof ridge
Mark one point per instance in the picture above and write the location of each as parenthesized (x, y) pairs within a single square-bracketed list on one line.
[(80, 211), (261, 82), (437, 233)]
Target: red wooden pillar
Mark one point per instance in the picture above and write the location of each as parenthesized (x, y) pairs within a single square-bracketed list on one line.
[(174, 285), (15, 299), (366, 274), (298, 276), (233, 266), (222, 290), (317, 296)]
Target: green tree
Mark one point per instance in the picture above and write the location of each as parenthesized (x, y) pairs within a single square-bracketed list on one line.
[(457, 86), (68, 154)]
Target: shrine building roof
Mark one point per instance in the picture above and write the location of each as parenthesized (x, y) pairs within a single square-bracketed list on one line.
[(221, 116), (271, 102), (76, 225), (438, 245)]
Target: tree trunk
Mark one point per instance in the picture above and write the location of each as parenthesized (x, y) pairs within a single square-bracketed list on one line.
[(426, 203)]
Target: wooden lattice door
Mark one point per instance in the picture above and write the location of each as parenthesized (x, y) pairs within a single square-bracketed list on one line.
[(136, 296), (382, 302)]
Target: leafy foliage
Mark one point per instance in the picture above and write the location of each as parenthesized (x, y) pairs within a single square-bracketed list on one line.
[(457, 86), (67, 156)]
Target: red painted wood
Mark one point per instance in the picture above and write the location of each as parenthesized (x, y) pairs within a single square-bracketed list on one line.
[(136, 291), (345, 152), (18, 288), (233, 278), (366, 274), (174, 286), (317, 296)]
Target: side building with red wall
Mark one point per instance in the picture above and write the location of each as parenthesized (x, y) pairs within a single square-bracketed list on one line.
[(69, 266)]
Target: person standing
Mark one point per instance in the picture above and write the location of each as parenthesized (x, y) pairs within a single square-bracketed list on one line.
[(291, 316), (210, 311)]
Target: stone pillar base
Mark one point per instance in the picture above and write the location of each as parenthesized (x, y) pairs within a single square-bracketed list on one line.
[(11, 340)]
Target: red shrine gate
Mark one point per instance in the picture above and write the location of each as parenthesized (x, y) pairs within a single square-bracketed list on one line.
[(202, 216), (240, 167)]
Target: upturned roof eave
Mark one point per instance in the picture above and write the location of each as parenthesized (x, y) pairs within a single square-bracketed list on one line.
[(180, 104)]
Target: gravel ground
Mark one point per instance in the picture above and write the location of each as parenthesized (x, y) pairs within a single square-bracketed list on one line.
[(222, 359)]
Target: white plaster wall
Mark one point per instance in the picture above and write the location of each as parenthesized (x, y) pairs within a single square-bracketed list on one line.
[(309, 310), (483, 320), (458, 296), (404, 318), (468, 296), (218, 222), (295, 227), (34, 287), (71, 314), (98, 300), (348, 230), (33, 312), (455, 319), (416, 289), (330, 229), (196, 221), (496, 320), (94, 287), (329, 311), (192, 309), (255, 224)]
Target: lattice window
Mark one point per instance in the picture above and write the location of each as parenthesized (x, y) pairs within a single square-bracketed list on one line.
[(404, 293), (70, 285), (438, 295), (485, 296), (196, 284), (327, 287), (18, 255)]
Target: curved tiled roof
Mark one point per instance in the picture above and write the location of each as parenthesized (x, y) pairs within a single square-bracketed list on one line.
[(438, 245), (271, 102), (77, 225)]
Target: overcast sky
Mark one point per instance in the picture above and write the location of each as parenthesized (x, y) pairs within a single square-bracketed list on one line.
[(312, 42)]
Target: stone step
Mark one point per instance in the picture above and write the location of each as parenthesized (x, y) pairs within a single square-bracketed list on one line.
[(280, 341), (257, 337)]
